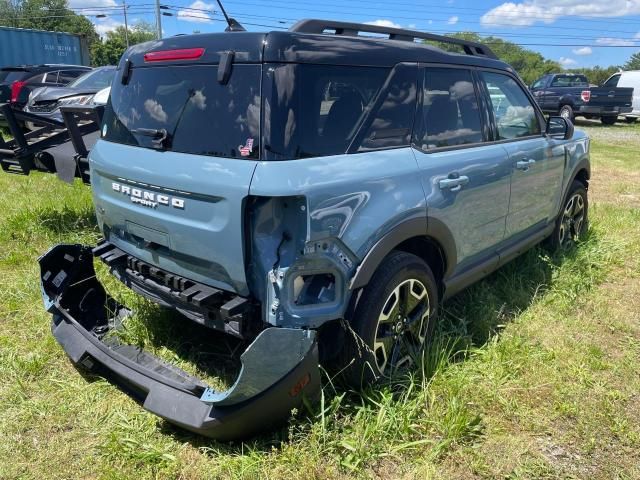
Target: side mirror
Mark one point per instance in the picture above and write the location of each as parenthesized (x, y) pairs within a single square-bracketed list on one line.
[(560, 128)]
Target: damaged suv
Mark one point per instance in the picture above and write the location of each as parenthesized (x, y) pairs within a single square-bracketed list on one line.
[(310, 188)]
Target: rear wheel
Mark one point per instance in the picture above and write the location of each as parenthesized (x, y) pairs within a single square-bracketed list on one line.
[(566, 112), (393, 321), (573, 220), (610, 120)]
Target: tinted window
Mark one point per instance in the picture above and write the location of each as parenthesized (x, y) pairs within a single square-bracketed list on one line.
[(450, 115), (36, 79), (570, 81), (513, 112), (67, 76), (395, 110), (10, 76), (51, 77), (612, 82), (539, 83), (96, 79), (315, 110), (188, 107)]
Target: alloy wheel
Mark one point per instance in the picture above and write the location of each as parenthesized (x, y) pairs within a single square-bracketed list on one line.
[(572, 221)]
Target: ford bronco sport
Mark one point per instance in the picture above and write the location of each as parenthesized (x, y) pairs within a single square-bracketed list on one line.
[(277, 185)]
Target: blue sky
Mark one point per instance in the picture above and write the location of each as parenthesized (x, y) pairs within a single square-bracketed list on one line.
[(573, 32)]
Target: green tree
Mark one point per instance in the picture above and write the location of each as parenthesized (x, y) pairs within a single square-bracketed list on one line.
[(530, 65), (109, 50), (50, 15), (633, 63)]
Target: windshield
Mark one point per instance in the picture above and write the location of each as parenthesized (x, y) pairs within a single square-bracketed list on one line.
[(185, 109), (96, 79)]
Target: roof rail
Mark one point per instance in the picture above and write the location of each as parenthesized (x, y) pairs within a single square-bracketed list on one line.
[(353, 29)]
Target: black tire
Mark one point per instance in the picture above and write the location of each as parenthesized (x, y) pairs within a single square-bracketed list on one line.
[(566, 111), (573, 220), (609, 120), (631, 119), (401, 274)]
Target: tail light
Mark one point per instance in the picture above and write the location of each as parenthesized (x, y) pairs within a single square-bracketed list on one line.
[(585, 96), (167, 55), (15, 90)]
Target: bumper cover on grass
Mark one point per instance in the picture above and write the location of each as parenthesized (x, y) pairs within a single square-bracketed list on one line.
[(279, 369)]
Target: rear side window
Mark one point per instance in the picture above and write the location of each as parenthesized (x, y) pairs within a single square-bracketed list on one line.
[(450, 115), (316, 110), (10, 76), (185, 109), (514, 114)]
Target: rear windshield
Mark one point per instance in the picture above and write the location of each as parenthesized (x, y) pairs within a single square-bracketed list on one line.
[(315, 110), (570, 81), (185, 109), (9, 76)]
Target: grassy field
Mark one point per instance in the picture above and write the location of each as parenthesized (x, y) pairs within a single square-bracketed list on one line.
[(536, 375)]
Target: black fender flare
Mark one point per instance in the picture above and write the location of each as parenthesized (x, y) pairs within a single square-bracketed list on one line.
[(426, 227)]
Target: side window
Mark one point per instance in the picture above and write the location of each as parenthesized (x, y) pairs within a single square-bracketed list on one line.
[(450, 115), (67, 76), (391, 126), (539, 83), (613, 81), (51, 77), (513, 112)]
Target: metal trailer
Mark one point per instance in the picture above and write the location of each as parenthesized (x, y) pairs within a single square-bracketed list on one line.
[(22, 46)]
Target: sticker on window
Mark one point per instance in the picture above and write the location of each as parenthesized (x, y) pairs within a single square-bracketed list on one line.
[(247, 148)]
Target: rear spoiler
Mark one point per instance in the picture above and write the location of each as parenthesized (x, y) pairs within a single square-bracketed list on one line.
[(55, 147)]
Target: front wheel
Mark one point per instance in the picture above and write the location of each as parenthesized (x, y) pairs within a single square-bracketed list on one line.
[(393, 321), (608, 120), (572, 222)]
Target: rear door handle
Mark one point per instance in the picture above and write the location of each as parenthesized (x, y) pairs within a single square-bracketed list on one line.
[(525, 164), (453, 184)]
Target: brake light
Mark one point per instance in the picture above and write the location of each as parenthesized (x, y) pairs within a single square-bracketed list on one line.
[(167, 55), (585, 96), (15, 90)]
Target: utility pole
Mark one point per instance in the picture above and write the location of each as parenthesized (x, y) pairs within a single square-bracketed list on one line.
[(158, 20), (126, 26)]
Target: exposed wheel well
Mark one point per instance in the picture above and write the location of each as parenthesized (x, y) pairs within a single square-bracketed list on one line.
[(583, 177), (430, 251)]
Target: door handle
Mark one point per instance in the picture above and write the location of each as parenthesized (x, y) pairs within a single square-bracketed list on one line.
[(453, 184), (525, 164)]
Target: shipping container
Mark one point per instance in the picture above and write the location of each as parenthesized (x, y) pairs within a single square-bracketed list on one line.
[(20, 46)]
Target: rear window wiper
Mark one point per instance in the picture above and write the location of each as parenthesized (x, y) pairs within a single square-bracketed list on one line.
[(160, 136)]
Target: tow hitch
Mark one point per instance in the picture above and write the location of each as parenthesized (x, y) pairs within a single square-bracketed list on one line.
[(279, 369)]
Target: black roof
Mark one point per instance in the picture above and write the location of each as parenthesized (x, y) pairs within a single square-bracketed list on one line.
[(298, 45)]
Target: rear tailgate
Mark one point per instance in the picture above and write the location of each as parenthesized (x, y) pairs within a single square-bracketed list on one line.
[(173, 169), (611, 99)]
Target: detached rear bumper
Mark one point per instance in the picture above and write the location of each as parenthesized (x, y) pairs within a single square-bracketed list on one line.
[(279, 368)]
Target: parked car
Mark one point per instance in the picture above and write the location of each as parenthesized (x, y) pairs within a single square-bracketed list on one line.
[(630, 78), (314, 186), (46, 101), (16, 83), (569, 95)]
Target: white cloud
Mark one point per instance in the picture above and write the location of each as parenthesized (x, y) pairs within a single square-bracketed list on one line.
[(453, 20), (196, 15), (567, 62), (530, 12), (615, 42), (384, 23), (104, 25), (582, 51)]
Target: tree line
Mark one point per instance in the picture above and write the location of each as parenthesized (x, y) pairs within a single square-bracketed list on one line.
[(55, 15)]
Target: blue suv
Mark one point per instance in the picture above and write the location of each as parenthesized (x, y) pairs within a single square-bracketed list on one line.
[(316, 192)]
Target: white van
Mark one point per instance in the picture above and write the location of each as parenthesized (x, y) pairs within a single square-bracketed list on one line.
[(628, 79)]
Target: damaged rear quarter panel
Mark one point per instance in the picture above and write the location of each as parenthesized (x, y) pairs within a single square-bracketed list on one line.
[(345, 203)]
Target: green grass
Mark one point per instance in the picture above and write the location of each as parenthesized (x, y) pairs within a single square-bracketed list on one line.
[(533, 375)]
